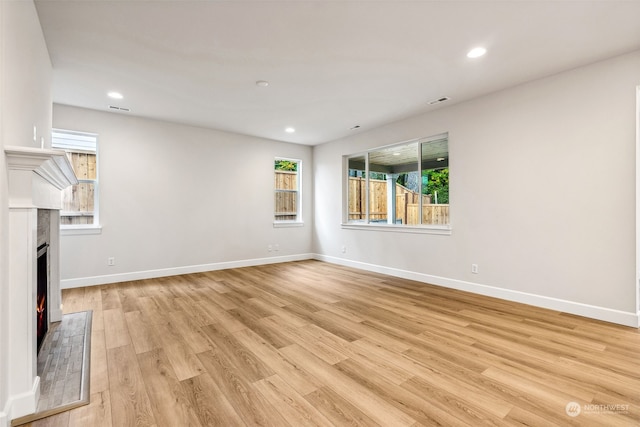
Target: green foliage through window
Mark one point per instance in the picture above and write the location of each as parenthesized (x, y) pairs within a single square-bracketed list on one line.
[(286, 165), (436, 181)]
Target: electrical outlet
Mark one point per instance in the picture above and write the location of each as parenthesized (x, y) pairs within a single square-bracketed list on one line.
[(269, 248), (474, 268), (111, 261), (344, 249)]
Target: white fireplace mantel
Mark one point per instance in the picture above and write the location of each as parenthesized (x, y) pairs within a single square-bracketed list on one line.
[(36, 178), (35, 175)]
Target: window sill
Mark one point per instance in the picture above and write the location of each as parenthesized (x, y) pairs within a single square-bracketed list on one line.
[(443, 230), (80, 231), (285, 224)]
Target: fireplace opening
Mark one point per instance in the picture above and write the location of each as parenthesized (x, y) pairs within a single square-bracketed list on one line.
[(42, 312)]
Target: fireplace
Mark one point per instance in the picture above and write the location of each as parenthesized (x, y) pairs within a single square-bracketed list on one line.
[(36, 178)]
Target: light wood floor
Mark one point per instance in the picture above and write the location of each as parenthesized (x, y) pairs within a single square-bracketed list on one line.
[(310, 343)]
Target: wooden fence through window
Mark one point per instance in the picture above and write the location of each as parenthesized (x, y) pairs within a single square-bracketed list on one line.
[(286, 195), (78, 200), (407, 209)]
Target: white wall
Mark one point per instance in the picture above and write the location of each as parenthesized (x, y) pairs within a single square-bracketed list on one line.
[(25, 101), (542, 195), (176, 198), (26, 77)]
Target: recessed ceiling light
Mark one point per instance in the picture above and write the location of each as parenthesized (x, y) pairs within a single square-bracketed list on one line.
[(476, 52), (289, 130), (115, 95), (396, 153), (262, 83)]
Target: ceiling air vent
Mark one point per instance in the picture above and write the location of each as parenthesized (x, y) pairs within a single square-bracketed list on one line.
[(112, 107), (439, 100)]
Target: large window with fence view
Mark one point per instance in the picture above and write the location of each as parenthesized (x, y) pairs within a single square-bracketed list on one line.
[(401, 184), (287, 190), (79, 202)]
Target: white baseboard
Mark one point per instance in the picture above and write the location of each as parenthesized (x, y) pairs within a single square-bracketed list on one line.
[(585, 310), (164, 272)]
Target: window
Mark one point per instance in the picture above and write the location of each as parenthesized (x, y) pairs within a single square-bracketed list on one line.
[(403, 184), (79, 202), (287, 191)]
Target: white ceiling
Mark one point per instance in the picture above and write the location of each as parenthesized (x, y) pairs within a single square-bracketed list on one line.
[(331, 65)]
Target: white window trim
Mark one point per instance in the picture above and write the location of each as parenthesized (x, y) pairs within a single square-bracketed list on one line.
[(80, 230), (285, 224), (445, 230), (297, 222)]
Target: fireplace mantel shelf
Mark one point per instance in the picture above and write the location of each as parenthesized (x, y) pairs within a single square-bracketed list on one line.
[(36, 177), (52, 165)]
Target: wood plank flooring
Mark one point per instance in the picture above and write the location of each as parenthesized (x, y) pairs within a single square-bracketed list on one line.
[(315, 344)]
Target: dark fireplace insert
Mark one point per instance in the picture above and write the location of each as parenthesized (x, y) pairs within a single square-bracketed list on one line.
[(42, 314)]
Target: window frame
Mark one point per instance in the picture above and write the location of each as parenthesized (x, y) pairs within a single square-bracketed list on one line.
[(366, 224), (95, 227), (298, 222)]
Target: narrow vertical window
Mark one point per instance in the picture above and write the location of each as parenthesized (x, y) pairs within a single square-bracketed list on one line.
[(435, 181), (79, 202), (287, 190), (357, 189)]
